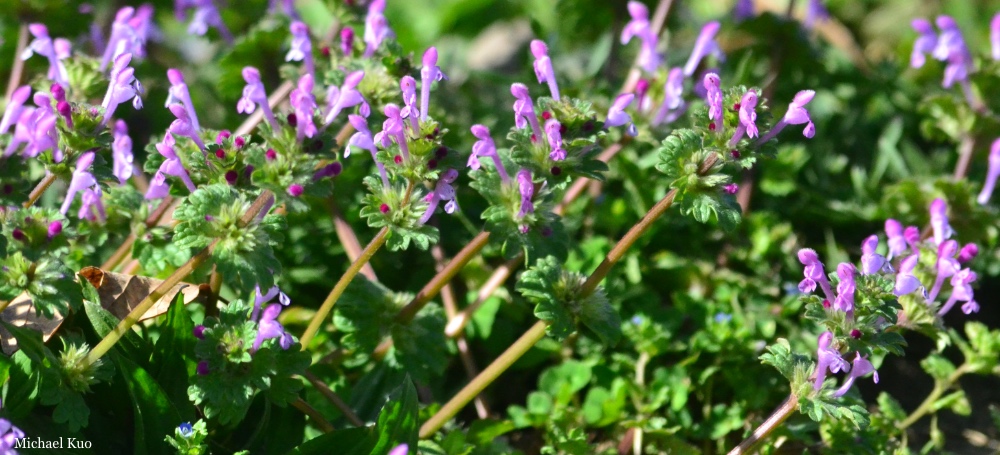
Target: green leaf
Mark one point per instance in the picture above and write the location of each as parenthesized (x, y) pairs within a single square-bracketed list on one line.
[(421, 347), (597, 314), (398, 421), (130, 345), (352, 441), (537, 285), (153, 415), (938, 367), (172, 358)]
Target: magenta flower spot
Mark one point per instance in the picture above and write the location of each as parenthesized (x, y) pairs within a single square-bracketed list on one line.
[(731, 188), (705, 45), (815, 11), (220, 154), (65, 112), (202, 368), (555, 170), (441, 152), (376, 27), (18, 234), (968, 253), (546, 115), (292, 119), (714, 97), (209, 218), (397, 159), (346, 96), (432, 163), (735, 154), (231, 177), (860, 367), (428, 73), (543, 67), (826, 304), (992, 172), (58, 93), (995, 37), (827, 359), (711, 126), (254, 95), (301, 49), (639, 27), (199, 332), (384, 208), (295, 190), (55, 228), (856, 334), (346, 42), (270, 155), (222, 136)]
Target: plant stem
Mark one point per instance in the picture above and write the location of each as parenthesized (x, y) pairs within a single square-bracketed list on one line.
[(123, 250), (338, 289), (310, 411), (442, 278), (457, 323), (43, 185), (350, 240), (265, 199), (965, 149), (772, 422), (17, 68), (940, 387), (333, 398), (488, 375), (659, 16)]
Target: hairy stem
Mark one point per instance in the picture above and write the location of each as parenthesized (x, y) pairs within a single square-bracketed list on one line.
[(772, 422), (17, 68), (488, 375), (333, 398), (350, 241), (940, 387), (36, 193), (965, 149), (310, 411), (338, 289), (442, 278)]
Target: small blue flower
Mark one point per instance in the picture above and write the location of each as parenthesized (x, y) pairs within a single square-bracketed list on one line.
[(186, 429), (722, 318)]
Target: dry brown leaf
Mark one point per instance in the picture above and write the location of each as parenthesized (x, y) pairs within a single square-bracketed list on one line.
[(119, 294)]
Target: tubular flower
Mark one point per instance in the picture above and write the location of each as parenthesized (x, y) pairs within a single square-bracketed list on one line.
[(443, 191), (912, 236), (705, 45), (639, 27), (36, 129), (992, 172), (872, 262), (82, 179), (896, 241), (346, 40), (524, 108), (301, 49), (183, 126), (947, 266), (617, 115), (346, 96), (91, 207), (673, 98), (845, 288), (121, 150), (543, 66), (393, 128), (408, 87), (554, 134), (123, 38), (178, 94), (207, 15), (429, 73), (924, 44), (713, 95), (860, 367), (486, 148), (995, 36), (827, 359), (269, 327), (939, 221), (363, 139), (304, 103), (15, 107), (44, 46), (401, 449), (968, 253), (158, 187), (905, 281), (961, 291), (376, 27), (527, 189), (813, 273), (951, 48), (796, 115), (748, 118), (123, 87), (260, 299), (253, 95)]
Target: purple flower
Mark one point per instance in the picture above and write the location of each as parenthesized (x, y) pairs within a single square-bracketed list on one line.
[(924, 44), (639, 27), (304, 103), (301, 49), (860, 367), (430, 72), (36, 129), (121, 150), (995, 36), (393, 128), (939, 221), (906, 282), (91, 207), (845, 288), (796, 115), (260, 299), (123, 39), (731, 188), (947, 266), (295, 190), (158, 187), (813, 273), (992, 172), (673, 98), (363, 139), (43, 45), (376, 27), (55, 228), (11, 435), (184, 127), (705, 45), (486, 148), (543, 66), (123, 87), (286, 6), (554, 134), (269, 327), (408, 87), (714, 97), (951, 48), (912, 236), (748, 118), (15, 107), (401, 449), (743, 10), (178, 94), (872, 262), (815, 10), (206, 15), (894, 233), (253, 95), (66, 112), (524, 108), (827, 359), (82, 179), (199, 332), (617, 115), (443, 191), (961, 291), (968, 253), (347, 95), (202, 369), (527, 189), (346, 40)]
